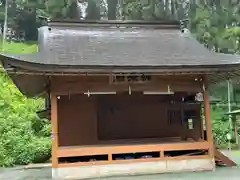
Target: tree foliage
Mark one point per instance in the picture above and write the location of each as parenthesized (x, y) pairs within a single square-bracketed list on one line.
[(23, 138), (216, 24)]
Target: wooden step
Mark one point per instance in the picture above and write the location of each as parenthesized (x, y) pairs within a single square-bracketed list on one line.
[(221, 159)]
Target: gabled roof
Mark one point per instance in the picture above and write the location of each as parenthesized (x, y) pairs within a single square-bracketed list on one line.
[(119, 47), (132, 47), (64, 47)]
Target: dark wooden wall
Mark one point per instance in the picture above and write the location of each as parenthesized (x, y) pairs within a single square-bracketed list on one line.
[(136, 116), (88, 120), (77, 120)]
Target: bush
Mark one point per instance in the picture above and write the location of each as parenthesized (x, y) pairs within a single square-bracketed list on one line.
[(221, 127), (220, 131), (23, 138)]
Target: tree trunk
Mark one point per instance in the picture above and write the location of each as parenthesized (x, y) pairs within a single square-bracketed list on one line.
[(112, 9)]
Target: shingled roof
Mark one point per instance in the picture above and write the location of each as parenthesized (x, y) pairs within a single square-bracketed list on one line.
[(79, 47), (71, 46)]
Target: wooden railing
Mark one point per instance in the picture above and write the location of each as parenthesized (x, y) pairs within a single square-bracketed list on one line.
[(109, 150)]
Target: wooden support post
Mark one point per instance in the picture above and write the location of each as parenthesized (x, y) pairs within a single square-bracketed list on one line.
[(54, 122), (236, 132), (110, 157), (208, 119), (201, 125), (162, 154)]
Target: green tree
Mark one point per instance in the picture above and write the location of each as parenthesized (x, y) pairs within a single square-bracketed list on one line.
[(21, 13), (213, 23), (58, 9), (23, 138)]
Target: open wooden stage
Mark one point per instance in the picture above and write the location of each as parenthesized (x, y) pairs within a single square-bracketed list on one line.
[(109, 135)]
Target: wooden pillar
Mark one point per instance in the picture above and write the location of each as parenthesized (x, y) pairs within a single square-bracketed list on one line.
[(236, 130), (201, 125), (236, 133), (54, 122), (208, 119)]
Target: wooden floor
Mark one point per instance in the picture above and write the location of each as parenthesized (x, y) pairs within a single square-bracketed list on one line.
[(132, 146), (127, 142)]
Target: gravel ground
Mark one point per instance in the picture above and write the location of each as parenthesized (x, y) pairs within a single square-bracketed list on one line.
[(25, 174), (45, 174)]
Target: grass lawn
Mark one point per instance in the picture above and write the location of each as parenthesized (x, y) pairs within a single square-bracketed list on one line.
[(19, 48), (236, 152)]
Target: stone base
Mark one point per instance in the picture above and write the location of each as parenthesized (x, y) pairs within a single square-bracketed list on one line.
[(97, 171)]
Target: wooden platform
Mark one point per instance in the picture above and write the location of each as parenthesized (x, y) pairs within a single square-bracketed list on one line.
[(119, 147)]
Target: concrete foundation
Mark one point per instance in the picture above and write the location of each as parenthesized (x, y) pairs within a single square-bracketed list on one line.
[(86, 172)]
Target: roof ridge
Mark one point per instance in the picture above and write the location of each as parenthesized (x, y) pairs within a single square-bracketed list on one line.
[(172, 22), (81, 23)]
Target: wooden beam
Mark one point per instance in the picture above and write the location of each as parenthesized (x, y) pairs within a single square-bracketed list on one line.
[(208, 118), (54, 121), (122, 149), (73, 85)]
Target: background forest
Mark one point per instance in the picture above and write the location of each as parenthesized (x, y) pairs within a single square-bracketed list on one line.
[(26, 139)]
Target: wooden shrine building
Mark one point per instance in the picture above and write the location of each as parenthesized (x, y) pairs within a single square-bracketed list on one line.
[(125, 98)]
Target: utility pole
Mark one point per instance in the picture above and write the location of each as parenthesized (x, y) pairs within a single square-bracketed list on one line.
[(229, 83), (5, 25)]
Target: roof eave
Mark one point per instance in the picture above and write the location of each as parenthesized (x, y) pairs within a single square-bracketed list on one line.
[(31, 72), (11, 63)]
